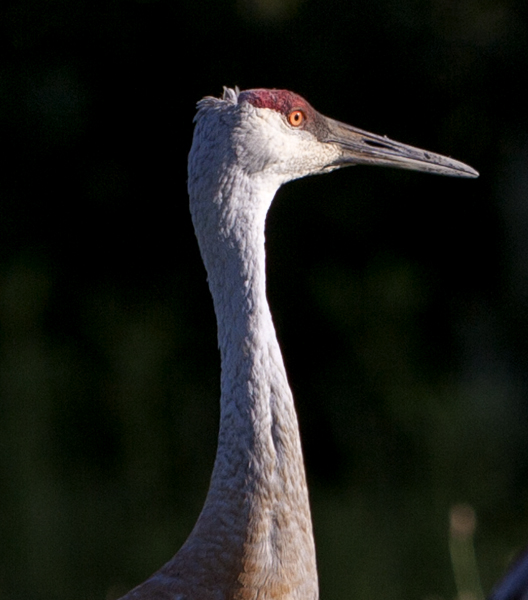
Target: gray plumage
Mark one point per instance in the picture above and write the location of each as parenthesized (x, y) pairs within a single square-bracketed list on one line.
[(253, 539)]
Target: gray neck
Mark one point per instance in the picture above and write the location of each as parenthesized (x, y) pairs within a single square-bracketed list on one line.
[(255, 396), (258, 500)]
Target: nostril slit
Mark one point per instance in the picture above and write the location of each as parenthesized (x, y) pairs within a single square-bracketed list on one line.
[(376, 144)]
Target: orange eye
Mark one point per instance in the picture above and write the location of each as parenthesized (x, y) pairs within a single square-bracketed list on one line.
[(296, 118)]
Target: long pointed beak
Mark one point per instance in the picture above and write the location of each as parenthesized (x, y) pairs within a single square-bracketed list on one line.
[(361, 147)]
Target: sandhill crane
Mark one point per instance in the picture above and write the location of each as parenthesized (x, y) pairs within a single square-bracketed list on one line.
[(253, 539)]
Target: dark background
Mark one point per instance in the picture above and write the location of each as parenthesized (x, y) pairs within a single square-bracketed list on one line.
[(400, 299)]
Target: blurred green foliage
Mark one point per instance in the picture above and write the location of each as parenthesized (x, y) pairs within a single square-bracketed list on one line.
[(400, 299)]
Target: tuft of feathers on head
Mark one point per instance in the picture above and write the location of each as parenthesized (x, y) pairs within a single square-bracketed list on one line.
[(230, 96)]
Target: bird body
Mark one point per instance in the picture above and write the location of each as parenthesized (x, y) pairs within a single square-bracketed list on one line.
[(253, 539)]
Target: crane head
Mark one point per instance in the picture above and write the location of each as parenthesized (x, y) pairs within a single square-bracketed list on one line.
[(279, 133)]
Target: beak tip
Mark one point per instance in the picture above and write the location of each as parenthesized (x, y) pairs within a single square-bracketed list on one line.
[(471, 173)]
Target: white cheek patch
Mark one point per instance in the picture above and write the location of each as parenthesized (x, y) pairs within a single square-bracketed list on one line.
[(271, 145)]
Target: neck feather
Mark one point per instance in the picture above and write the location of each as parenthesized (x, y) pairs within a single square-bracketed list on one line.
[(257, 504)]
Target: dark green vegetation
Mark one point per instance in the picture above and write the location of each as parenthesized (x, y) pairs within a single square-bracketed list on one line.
[(400, 299)]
